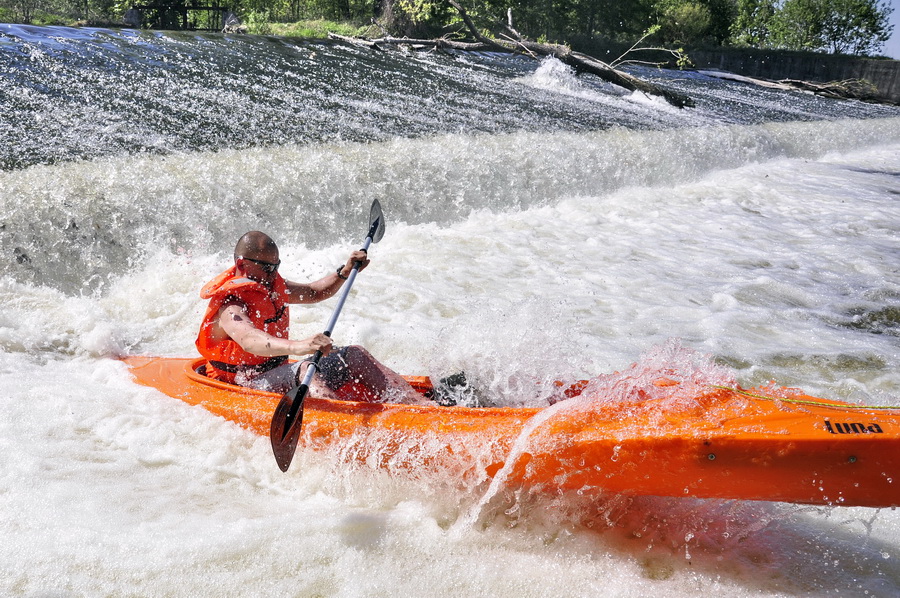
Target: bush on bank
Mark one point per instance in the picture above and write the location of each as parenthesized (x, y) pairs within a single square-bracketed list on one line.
[(856, 27)]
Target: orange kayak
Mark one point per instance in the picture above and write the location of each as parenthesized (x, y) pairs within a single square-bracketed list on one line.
[(722, 443)]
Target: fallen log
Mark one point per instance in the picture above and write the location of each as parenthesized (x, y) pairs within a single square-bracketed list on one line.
[(580, 62), (726, 76), (851, 89)]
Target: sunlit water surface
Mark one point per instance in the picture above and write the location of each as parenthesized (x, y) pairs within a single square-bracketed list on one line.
[(540, 226)]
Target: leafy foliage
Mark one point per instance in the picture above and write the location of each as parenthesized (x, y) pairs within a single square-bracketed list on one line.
[(683, 21), (319, 28), (753, 22), (852, 26), (682, 61), (838, 26)]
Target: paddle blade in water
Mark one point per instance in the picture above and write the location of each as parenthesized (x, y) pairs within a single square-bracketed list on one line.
[(286, 424)]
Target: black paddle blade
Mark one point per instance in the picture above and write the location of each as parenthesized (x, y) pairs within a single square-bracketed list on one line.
[(287, 421), (376, 222)]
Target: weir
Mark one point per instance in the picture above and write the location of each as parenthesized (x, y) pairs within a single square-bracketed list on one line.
[(822, 68), (64, 97)]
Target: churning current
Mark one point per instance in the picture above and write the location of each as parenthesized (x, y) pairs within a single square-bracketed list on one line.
[(540, 226)]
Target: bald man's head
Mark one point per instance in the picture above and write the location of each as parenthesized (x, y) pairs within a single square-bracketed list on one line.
[(256, 246)]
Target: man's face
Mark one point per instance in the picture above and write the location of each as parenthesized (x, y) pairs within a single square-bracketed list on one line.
[(261, 267)]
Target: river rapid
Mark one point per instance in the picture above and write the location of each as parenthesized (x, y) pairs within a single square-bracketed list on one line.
[(540, 226)]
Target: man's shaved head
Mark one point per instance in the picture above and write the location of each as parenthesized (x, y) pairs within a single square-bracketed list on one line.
[(255, 245)]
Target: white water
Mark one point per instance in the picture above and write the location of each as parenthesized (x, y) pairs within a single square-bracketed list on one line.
[(526, 253), (758, 253)]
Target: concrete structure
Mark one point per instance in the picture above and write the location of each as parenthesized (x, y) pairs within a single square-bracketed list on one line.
[(883, 74)]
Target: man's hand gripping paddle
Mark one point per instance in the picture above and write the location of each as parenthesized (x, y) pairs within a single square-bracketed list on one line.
[(288, 417)]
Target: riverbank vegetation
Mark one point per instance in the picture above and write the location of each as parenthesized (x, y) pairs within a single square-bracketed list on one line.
[(855, 27)]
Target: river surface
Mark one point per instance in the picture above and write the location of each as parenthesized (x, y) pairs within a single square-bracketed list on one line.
[(540, 225)]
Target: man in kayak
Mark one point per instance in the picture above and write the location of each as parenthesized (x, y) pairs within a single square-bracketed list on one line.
[(244, 334)]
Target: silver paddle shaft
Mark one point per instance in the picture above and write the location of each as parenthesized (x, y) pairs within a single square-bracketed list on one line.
[(314, 364)]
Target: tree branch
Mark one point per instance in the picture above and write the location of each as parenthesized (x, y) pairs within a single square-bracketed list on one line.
[(580, 62)]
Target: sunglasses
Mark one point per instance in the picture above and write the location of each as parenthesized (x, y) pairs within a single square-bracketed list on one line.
[(268, 267)]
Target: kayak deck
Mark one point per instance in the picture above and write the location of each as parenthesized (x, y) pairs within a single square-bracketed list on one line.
[(723, 443)]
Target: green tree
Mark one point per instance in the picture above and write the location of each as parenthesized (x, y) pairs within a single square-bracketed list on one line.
[(753, 22), (23, 11), (798, 24), (837, 26), (617, 20), (683, 21), (856, 26), (722, 14)]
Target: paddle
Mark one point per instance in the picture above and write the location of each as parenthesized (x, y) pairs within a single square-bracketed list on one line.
[(288, 417)]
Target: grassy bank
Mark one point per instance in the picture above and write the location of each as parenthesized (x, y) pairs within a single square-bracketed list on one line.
[(314, 29)]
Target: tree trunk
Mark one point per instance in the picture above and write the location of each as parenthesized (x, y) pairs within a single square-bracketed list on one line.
[(580, 62)]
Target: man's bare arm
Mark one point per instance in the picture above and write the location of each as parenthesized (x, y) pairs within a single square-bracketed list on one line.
[(235, 322), (326, 286)]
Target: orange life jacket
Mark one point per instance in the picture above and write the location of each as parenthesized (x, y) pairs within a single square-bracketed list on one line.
[(267, 310)]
